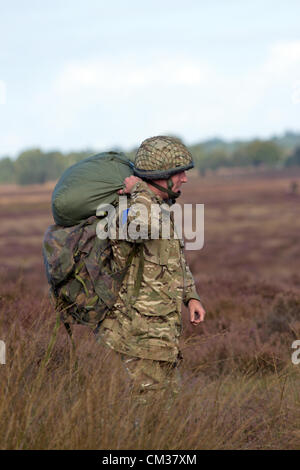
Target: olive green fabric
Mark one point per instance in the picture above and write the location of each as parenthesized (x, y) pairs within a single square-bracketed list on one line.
[(160, 157), (87, 184)]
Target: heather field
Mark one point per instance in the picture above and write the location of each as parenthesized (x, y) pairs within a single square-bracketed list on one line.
[(240, 387)]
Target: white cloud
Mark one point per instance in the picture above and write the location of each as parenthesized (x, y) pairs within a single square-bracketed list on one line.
[(114, 79), (103, 102), (284, 58), (117, 79)]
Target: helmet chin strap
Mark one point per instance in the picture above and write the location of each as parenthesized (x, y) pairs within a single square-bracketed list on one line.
[(168, 190)]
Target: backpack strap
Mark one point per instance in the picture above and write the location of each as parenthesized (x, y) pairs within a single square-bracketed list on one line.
[(139, 273), (138, 249)]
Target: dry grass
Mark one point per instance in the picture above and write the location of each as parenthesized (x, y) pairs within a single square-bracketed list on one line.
[(49, 402), (240, 389)]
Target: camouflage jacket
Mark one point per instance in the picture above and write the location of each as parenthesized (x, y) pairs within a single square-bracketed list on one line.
[(148, 325)]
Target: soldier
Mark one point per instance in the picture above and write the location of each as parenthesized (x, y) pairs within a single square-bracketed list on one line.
[(145, 324)]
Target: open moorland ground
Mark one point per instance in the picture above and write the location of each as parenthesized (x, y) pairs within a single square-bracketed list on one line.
[(240, 387)]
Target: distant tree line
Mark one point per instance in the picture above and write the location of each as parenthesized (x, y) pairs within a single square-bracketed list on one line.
[(36, 166), (253, 154), (216, 154)]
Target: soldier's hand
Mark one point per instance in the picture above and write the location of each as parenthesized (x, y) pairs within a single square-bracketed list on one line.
[(197, 312), (129, 182)]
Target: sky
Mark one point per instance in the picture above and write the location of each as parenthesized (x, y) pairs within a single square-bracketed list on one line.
[(93, 74)]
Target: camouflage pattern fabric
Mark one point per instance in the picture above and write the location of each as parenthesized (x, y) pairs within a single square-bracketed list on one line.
[(148, 377), (148, 326), (78, 267)]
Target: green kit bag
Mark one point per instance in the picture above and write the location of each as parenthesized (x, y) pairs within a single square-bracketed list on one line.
[(87, 184)]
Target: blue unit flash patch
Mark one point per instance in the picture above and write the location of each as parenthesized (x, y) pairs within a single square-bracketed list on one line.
[(124, 216)]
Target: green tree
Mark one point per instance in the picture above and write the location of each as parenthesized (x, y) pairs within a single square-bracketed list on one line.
[(212, 161), (257, 153), (75, 157), (7, 171), (34, 166), (294, 159)]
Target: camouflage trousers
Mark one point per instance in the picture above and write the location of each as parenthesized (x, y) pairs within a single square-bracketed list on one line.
[(149, 378)]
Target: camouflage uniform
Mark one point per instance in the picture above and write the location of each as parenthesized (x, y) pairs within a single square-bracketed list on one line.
[(146, 329), (144, 321)]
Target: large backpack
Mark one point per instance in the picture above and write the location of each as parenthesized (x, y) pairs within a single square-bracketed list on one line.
[(83, 283)]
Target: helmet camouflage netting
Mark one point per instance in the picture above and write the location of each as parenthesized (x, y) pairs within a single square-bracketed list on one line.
[(160, 157)]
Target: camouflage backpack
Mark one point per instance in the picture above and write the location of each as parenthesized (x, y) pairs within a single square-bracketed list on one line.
[(82, 282)]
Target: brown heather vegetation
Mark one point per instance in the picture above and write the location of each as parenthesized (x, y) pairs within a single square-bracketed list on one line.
[(240, 388)]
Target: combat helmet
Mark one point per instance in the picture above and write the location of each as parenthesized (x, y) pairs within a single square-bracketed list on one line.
[(161, 157)]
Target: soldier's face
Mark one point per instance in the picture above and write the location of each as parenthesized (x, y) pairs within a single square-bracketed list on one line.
[(178, 180)]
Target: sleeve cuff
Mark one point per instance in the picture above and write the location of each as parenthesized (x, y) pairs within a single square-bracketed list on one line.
[(139, 186), (189, 296)]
